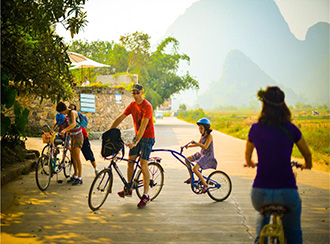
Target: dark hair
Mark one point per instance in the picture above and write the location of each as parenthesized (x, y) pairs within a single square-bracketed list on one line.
[(74, 106), (274, 110), (61, 107), (207, 128)]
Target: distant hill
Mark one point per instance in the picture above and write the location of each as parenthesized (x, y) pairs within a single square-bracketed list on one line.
[(210, 29), (238, 85)]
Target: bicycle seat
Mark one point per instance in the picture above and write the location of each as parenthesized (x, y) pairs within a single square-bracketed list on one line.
[(273, 208)]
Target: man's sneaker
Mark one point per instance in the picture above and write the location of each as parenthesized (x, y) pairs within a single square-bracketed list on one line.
[(77, 182), (96, 172), (144, 200), (72, 179), (125, 194)]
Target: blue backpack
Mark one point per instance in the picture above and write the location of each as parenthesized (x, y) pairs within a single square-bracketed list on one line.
[(83, 120)]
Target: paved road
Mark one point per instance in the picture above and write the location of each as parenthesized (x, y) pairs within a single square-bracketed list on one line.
[(61, 215)]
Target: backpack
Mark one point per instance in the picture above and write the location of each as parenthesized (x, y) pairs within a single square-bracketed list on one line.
[(111, 142), (83, 120)]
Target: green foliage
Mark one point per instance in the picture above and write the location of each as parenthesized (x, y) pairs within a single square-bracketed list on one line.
[(33, 59), (12, 127), (161, 73), (315, 129), (138, 47), (182, 107), (157, 70), (192, 116), (33, 56)]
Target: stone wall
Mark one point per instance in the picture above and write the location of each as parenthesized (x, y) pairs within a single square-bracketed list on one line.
[(105, 105)]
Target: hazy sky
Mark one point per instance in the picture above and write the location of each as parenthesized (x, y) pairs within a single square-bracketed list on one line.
[(302, 14), (110, 19)]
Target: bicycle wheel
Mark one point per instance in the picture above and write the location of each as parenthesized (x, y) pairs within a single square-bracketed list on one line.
[(219, 186), (156, 181), (43, 172), (67, 166), (46, 150), (100, 189)]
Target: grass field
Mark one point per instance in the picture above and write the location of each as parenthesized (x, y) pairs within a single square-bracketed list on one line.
[(315, 129)]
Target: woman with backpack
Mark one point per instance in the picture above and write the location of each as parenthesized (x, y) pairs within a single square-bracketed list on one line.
[(77, 140), (86, 148)]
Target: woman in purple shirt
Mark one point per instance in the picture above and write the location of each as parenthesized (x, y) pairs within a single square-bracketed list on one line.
[(273, 137)]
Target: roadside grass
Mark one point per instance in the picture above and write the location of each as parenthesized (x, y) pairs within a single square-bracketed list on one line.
[(315, 129)]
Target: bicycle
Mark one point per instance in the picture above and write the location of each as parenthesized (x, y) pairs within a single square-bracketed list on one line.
[(273, 233), (219, 182), (49, 162), (102, 184)]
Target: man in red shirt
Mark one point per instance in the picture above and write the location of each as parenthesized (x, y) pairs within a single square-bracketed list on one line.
[(141, 111)]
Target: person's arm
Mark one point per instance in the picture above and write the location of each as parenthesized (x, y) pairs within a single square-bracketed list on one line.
[(193, 143), (142, 129), (248, 154), (306, 153), (203, 146), (118, 120), (73, 116)]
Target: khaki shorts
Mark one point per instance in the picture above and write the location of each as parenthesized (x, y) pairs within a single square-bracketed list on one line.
[(77, 141)]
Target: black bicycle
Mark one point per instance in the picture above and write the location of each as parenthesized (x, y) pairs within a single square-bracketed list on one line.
[(102, 184)]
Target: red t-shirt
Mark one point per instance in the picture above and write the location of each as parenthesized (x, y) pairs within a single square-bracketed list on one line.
[(140, 111)]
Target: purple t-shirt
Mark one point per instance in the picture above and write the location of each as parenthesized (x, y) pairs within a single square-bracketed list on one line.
[(274, 150)]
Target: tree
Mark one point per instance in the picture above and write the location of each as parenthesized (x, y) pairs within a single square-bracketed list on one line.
[(33, 58), (161, 76), (138, 47), (157, 70)]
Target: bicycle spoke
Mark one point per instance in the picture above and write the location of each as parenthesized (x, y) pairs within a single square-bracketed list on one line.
[(219, 186), (156, 181), (43, 172), (99, 190)]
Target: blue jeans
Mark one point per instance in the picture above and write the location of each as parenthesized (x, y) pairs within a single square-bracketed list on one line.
[(291, 220)]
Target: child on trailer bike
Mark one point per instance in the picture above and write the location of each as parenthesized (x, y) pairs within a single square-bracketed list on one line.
[(205, 158), (273, 137)]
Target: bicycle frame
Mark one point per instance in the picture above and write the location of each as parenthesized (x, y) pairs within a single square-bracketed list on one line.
[(177, 155), (113, 164), (54, 153)]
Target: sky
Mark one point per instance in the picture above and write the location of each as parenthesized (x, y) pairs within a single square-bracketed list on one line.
[(110, 19)]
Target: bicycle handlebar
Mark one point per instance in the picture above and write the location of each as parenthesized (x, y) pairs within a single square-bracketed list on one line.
[(182, 147)]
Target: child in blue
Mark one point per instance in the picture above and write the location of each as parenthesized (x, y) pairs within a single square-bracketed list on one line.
[(62, 122), (205, 158)]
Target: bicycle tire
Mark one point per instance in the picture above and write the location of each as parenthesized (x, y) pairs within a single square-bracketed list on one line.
[(45, 150), (156, 181), (220, 186), (43, 172), (100, 189), (67, 167)]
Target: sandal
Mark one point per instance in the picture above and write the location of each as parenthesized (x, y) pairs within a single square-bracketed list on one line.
[(205, 189)]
